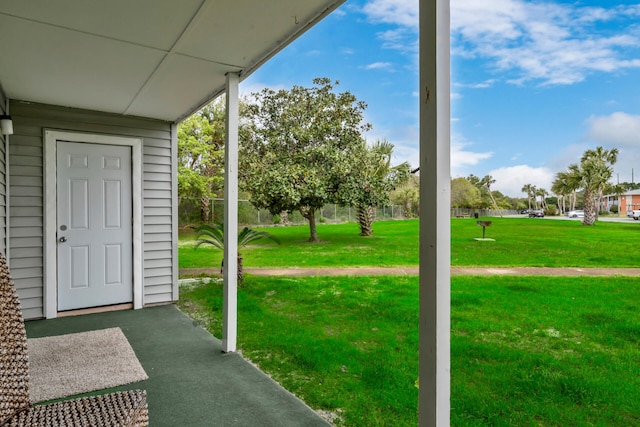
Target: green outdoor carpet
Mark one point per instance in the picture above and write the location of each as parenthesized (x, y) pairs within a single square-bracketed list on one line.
[(191, 382)]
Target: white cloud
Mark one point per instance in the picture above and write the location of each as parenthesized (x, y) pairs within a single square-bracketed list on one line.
[(462, 157), (378, 66), (544, 42), (548, 43), (247, 89), (510, 180), (622, 131), (615, 130), (399, 12), (482, 85)]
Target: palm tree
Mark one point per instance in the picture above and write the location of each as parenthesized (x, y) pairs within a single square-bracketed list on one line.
[(565, 185), (596, 168), (528, 188), (559, 187), (408, 197), (542, 193), (574, 182), (214, 235), (375, 181), (487, 181)]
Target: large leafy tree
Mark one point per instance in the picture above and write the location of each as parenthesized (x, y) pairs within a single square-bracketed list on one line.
[(369, 184), (464, 194), (201, 156), (295, 146), (484, 186)]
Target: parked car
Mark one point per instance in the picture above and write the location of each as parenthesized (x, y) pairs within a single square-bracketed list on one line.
[(635, 214), (575, 214), (536, 213), (524, 211)]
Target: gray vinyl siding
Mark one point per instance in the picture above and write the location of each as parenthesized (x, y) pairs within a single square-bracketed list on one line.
[(26, 204), (3, 184)]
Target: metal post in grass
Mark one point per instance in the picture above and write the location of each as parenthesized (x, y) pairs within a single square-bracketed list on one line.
[(484, 225), (435, 222)]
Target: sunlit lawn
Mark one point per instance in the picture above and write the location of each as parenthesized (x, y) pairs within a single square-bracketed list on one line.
[(518, 242), (524, 351)]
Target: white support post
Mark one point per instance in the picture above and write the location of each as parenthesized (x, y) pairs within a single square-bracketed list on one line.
[(230, 272), (435, 233)]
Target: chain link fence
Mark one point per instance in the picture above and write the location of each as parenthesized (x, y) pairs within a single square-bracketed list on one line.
[(471, 213), (191, 211)]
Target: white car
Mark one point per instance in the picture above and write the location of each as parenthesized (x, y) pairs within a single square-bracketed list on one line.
[(635, 214), (575, 214)]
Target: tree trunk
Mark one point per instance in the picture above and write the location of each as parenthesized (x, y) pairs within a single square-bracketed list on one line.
[(495, 205), (284, 218), (204, 209), (366, 216), (240, 271), (589, 208), (310, 215), (600, 205), (408, 208)]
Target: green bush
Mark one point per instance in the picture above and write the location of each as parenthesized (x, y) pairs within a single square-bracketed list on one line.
[(613, 209)]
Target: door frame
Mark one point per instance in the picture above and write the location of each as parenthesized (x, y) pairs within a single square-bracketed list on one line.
[(51, 138)]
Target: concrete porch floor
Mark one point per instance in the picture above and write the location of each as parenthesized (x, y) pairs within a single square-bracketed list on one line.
[(191, 381)]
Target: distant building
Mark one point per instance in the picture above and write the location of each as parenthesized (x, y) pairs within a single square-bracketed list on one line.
[(627, 201)]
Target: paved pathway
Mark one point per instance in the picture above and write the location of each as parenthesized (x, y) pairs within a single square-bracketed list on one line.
[(413, 271)]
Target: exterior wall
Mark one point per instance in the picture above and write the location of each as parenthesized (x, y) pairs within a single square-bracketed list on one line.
[(630, 201), (27, 200), (3, 183)]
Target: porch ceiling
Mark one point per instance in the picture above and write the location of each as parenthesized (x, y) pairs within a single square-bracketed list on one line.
[(160, 59)]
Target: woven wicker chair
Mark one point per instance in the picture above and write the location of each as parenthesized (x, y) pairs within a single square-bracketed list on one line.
[(127, 408)]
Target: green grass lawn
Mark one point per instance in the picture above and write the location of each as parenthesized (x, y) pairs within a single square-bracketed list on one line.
[(518, 242), (524, 351)]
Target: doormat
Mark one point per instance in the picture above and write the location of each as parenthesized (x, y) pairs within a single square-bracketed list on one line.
[(67, 365)]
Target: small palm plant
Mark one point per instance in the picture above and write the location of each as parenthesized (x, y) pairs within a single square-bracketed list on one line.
[(214, 235)]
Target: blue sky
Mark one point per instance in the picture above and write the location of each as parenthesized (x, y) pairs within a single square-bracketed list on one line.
[(533, 83)]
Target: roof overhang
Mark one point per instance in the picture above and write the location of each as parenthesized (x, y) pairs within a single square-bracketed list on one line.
[(161, 59)]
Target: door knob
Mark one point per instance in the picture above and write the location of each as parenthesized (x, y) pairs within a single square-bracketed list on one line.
[(62, 239)]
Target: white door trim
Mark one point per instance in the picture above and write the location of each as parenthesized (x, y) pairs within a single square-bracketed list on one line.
[(50, 202)]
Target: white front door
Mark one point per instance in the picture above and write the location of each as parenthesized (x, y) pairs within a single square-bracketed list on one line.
[(94, 225)]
